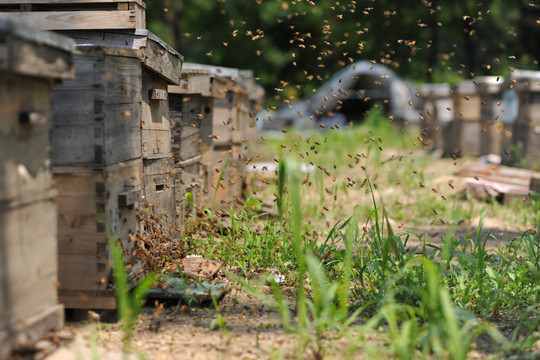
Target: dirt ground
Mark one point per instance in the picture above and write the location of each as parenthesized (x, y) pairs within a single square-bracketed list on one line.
[(252, 330), (253, 333)]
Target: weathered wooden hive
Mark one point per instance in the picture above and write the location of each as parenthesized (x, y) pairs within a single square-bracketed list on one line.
[(30, 61), (192, 106), (491, 124), (524, 148), (464, 131), (233, 129), (475, 129), (112, 152), (113, 162), (436, 114)]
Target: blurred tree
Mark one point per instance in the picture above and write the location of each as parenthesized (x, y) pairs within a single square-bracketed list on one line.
[(295, 45)]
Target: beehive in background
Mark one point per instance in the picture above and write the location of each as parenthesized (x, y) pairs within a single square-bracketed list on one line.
[(436, 114), (524, 149), (234, 132), (30, 60), (491, 123)]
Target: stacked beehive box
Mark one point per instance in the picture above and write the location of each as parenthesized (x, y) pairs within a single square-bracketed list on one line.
[(436, 114), (112, 152), (29, 62), (233, 127), (464, 131), (475, 111), (113, 164), (491, 124), (192, 106), (522, 144)]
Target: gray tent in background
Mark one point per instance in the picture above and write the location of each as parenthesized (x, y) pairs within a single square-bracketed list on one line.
[(351, 91)]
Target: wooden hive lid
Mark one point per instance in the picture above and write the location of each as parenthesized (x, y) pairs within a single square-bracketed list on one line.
[(36, 52), (155, 54), (440, 90), (72, 2), (76, 14), (523, 80), (489, 84), (239, 81), (199, 81)]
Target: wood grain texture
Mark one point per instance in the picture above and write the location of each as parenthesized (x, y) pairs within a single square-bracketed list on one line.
[(88, 208), (83, 20), (24, 148), (28, 272), (97, 115), (47, 2), (159, 192), (162, 60), (25, 50)]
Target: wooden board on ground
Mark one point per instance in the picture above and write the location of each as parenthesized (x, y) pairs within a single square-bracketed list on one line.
[(499, 174)]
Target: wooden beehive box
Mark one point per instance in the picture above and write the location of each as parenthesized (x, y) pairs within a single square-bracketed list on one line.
[(436, 114), (192, 106), (30, 60), (76, 14), (526, 132), (491, 124), (465, 130), (113, 162)]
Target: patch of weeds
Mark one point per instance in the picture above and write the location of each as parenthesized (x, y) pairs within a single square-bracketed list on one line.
[(128, 302)]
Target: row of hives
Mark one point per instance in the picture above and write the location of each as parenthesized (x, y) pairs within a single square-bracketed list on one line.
[(104, 132), (485, 115)]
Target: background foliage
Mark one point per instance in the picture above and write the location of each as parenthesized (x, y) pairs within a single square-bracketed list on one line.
[(301, 43)]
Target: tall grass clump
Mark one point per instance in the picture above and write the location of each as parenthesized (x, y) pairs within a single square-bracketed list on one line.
[(129, 301)]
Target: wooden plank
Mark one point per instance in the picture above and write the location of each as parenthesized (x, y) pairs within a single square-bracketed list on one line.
[(83, 20), (499, 174), (88, 299), (129, 39), (47, 2)]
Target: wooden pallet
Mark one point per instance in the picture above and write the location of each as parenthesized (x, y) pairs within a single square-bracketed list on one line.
[(30, 61), (76, 14)]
